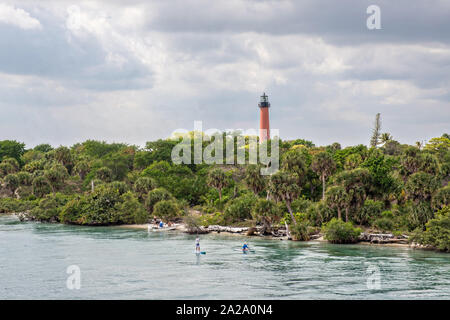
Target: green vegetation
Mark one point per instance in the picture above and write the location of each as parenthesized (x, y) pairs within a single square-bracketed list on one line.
[(389, 187), (338, 231), (437, 231)]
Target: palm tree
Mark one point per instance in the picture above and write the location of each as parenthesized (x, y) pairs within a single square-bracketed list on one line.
[(266, 212), (385, 137), (283, 187), (352, 161), (337, 198), (56, 176), (253, 178), (82, 168), (218, 180), (324, 165), (294, 161), (11, 182), (143, 186), (356, 184)]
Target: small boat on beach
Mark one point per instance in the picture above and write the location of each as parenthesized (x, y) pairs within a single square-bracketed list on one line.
[(158, 228)]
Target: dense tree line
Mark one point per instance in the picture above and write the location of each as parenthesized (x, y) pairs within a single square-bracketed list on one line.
[(388, 186)]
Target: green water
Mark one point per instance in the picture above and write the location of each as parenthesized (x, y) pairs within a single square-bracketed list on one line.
[(119, 263)]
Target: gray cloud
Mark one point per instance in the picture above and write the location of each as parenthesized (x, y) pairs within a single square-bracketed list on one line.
[(342, 22), (137, 72)]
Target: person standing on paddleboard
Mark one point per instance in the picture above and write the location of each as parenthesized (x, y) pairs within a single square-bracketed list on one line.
[(197, 245)]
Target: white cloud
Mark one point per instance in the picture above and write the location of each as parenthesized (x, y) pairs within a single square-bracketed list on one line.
[(18, 17)]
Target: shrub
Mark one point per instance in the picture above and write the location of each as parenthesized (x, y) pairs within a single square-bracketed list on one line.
[(73, 211), (338, 231), (104, 174), (299, 216), (370, 211), (300, 205), (194, 222), (300, 231), (101, 207), (10, 205), (384, 224), (319, 213), (24, 192), (418, 214), (156, 195), (437, 232), (421, 186), (303, 229), (211, 219), (131, 210), (441, 198), (49, 208), (239, 209), (166, 209), (120, 186)]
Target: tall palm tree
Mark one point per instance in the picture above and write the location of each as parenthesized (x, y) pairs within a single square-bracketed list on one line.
[(324, 165), (283, 187), (374, 141)]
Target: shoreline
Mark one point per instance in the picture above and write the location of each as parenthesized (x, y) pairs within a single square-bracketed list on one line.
[(181, 227)]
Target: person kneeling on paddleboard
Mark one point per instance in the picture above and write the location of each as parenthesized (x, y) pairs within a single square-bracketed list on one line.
[(245, 247)]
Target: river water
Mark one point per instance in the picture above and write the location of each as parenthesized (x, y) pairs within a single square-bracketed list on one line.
[(121, 263)]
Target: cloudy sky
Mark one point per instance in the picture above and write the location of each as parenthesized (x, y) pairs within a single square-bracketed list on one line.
[(71, 71)]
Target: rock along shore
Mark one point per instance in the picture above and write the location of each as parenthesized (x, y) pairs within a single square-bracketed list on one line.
[(366, 238)]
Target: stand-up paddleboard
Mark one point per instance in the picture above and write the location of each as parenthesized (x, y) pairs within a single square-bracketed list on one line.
[(245, 251), (201, 252)]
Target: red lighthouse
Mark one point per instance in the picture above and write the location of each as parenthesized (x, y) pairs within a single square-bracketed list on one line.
[(264, 128)]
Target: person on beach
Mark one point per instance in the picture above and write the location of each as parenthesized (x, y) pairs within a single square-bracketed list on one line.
[(161, 224), (197, 245)]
